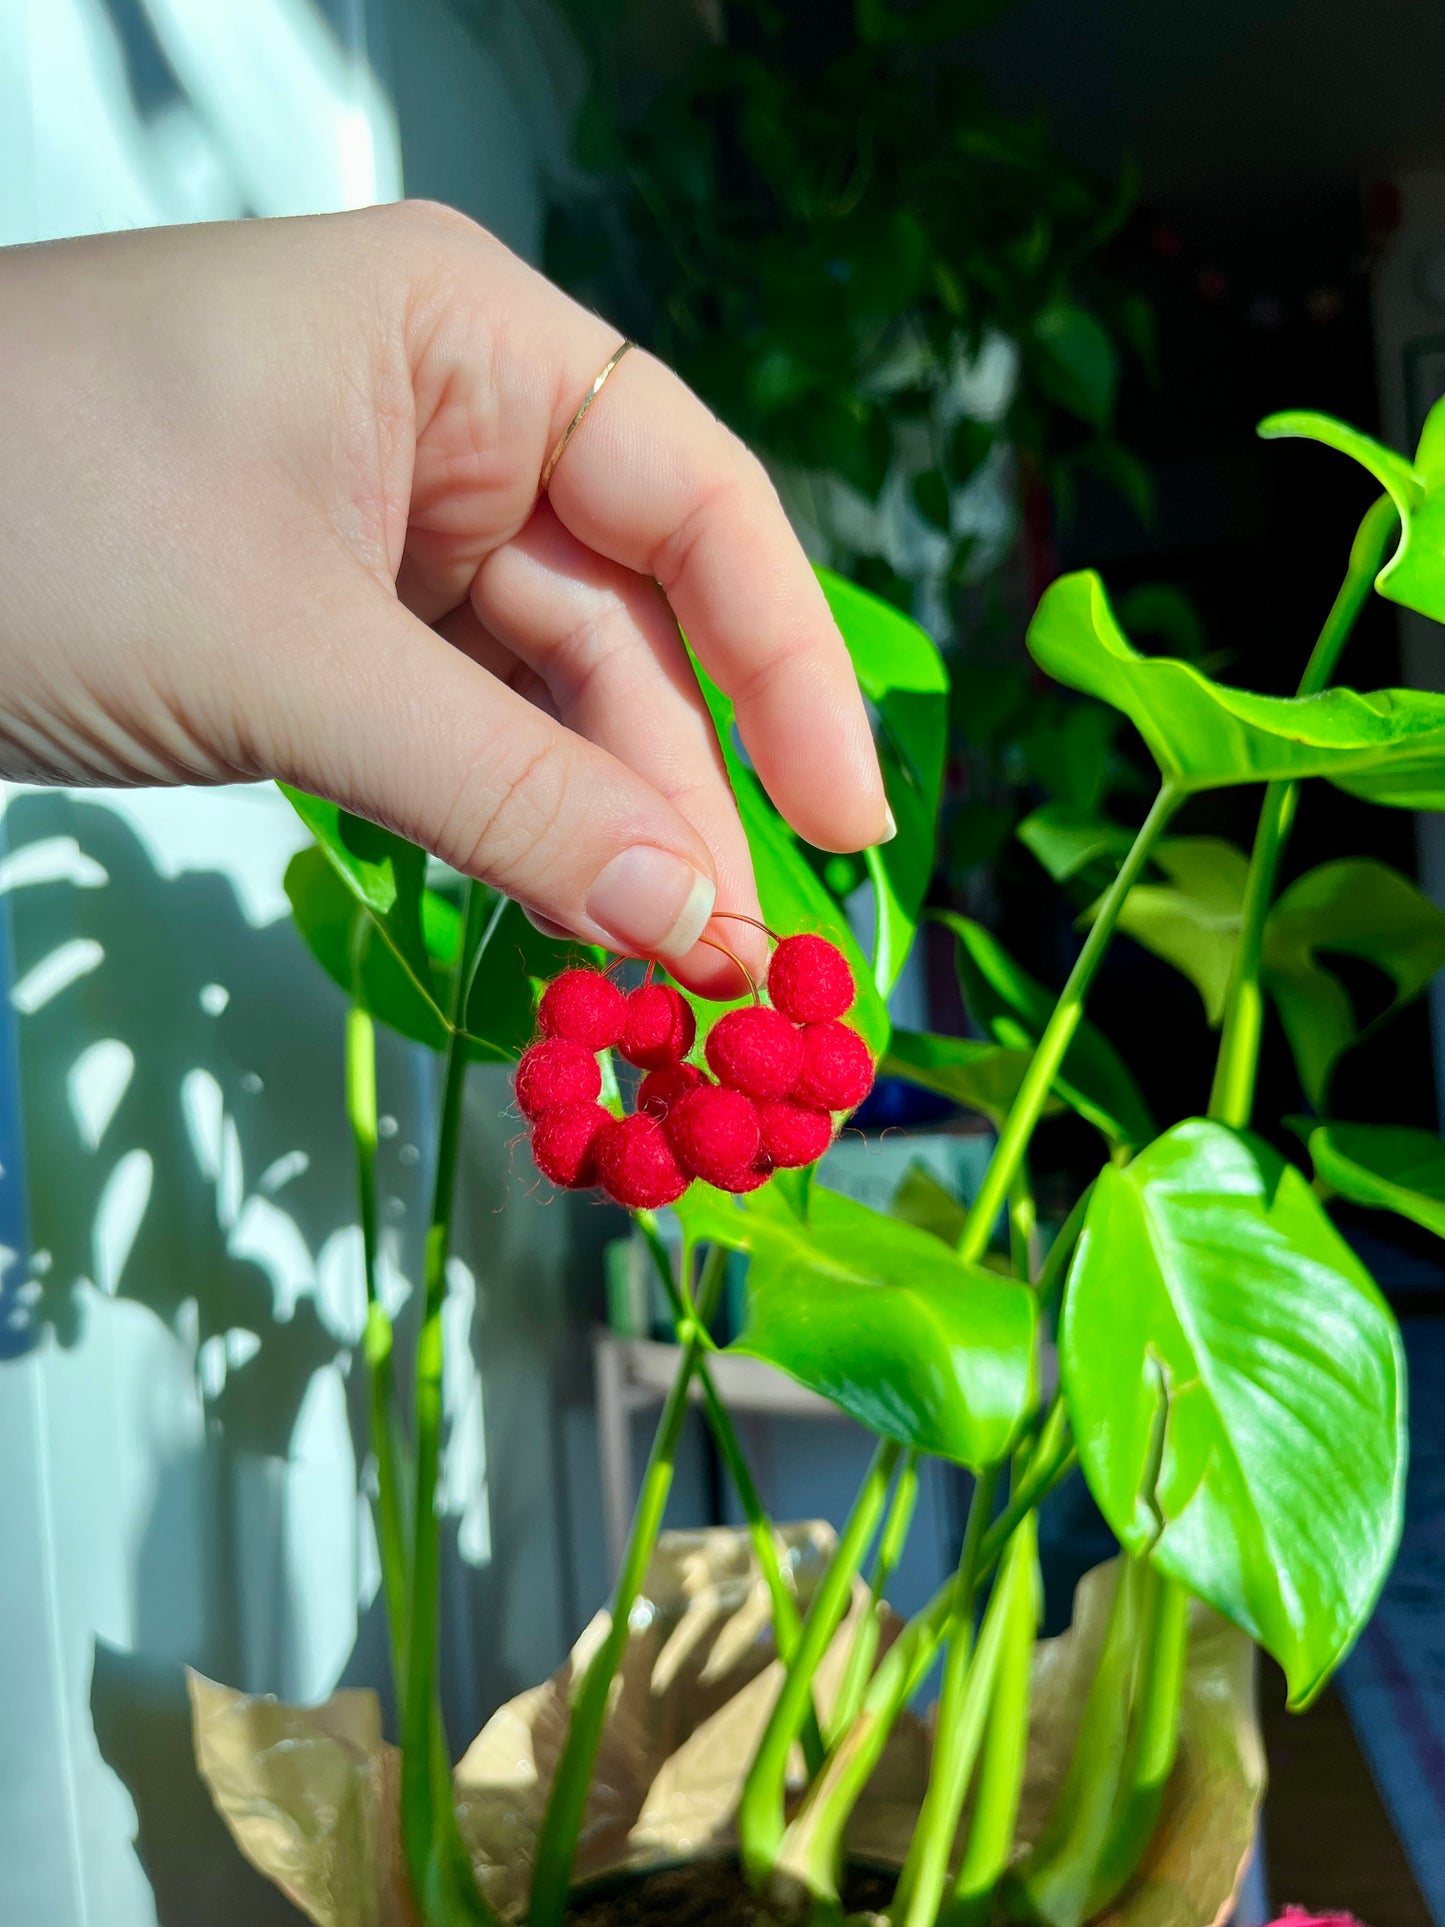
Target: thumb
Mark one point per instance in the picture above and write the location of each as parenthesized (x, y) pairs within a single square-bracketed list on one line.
[(415, 735)]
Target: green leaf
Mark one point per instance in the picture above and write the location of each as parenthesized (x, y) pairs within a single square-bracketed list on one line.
[(382, 871), (1074, 362), (882, 1319), (1388, 747), (1236, 1386), (792, 895), (920, 1200), (970, 1071), (1160, 609), (1415, 573), (384, 875), (1357, 908), (1193, 920), (518, 961), (332, 923), (1386, 1166), (1122, 469), (901, 672), (1066, 839), (1006, 1001)]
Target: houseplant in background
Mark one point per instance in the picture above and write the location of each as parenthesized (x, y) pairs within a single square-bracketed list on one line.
[(1231, 1382), (922, 337)]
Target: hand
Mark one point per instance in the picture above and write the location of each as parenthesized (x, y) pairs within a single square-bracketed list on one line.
[(269, 507)]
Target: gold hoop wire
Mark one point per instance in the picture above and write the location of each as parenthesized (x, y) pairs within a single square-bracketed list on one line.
[(576, 422)]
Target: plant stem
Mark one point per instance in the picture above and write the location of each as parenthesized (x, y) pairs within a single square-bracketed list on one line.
[(1027, 1107), (817, 1831), (1005, 1747), (428, 1820), (760, 1811), (787, 1622), (1051, 1458), (1023, 1225), (864, 1649), (1153, 1741), (956, 1735), (1232, 1097), (376, 1344), (1054, 1881), (562, 1823)]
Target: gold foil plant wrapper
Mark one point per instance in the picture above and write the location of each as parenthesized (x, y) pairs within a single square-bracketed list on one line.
[(310, 1794)]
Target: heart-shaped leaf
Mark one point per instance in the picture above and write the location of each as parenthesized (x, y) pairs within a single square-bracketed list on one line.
[(1192, 921), (901, 672), (1386, 1166), (882, 1319), (340, 933), (1005, 1000), (1236, 1385), (1359, 908), (1388, 747), (971, 1072), (1415, 573), (383, 872), (1066, 839)]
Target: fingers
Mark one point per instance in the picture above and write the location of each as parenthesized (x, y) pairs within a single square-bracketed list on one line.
[(605, 646), (651, 481), (422, 738)]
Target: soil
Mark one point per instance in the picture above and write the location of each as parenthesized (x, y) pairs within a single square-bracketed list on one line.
[(708, 1893)]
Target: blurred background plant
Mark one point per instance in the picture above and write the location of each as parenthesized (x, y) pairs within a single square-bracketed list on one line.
[(903, 299)]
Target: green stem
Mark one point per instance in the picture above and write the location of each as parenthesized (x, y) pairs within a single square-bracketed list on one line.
[(1023, 1225), (864, 1650), (816, 1834), (787, 1622), (1153, 1742), (1051, 1458), (1054, 1881), (961, 1708), (1232, 1097), (1001, 1766), (1051, 1272), (436, 1865), (376, 1344), (1028, 1106), (562, 1823), (760, 1811)]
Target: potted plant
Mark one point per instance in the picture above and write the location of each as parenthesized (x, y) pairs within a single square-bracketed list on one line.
[(737, 1734)]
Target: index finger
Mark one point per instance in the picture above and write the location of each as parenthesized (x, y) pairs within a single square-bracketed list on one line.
[(654, 481)]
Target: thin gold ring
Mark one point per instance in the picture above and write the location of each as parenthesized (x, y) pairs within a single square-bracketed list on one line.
[(586, 402)]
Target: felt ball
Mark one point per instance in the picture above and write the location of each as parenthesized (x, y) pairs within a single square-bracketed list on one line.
[(793, 1134), (809, 980), (564, 1144), (637, 1164), (660, 1090), (837, 1071), (748, 1178), (713, 1130), (660, 1028), (584, 1006), (756, 1051), (556, 1071)]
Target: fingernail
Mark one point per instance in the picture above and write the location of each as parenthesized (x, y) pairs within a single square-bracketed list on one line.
[(891, 820), (652, 901)]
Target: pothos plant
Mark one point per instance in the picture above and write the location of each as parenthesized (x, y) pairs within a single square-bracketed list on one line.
[(1231, 1383)]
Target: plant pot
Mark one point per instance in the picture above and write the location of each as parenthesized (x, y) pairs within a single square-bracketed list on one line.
[(310, 1794)]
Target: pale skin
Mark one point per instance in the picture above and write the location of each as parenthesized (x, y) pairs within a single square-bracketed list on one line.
[(269, 507)]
